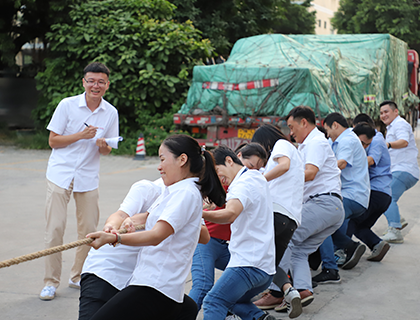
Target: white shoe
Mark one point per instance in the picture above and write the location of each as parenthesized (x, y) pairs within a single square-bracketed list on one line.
[(403, 222), (294, 305), (48, 293), (75, 285), (232, 317), (393, 235)]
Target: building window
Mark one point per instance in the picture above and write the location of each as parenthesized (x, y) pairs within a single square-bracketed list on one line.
[(325, 24), (319, 22)]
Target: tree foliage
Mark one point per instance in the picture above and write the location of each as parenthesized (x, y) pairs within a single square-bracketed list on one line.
[(22, 21), (224, 22), (149, 55), (399, 18)]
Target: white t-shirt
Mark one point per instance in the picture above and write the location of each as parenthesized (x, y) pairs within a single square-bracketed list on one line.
[(116, 265), (404, 159), (287, 190), (252, 239), (165, 267), (317, 151), (79, 160)]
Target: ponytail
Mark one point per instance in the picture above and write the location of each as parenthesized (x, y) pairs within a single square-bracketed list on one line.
[(201, 163)]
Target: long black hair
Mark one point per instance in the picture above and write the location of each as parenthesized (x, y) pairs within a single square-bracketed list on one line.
[(267, 135), (201, 163)]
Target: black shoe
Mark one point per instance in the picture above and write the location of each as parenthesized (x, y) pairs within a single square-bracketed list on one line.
[(266, 316), (353, 255), (327, 276)]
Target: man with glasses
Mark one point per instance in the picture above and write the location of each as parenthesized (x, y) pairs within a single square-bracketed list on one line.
[(78, 129)]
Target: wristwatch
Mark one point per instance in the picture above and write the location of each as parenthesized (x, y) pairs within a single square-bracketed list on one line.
[(389, 145)]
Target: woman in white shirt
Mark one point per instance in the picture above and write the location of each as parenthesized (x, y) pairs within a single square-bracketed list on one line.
[(285, 175), (172, 231)]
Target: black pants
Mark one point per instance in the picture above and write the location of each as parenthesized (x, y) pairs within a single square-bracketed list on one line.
[(361, 225), (284, 227), (94, 293), (141, 302)]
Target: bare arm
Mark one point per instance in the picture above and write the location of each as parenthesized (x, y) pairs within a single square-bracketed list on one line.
[(341, 164), (204, 235), (114, 221), (104, 148), (160, 231), (59, 141), (227, 215), (280, 169), (310, 172), (398, 144)]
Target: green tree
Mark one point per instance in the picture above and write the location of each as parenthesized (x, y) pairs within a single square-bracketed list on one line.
[(225, 22), (149, 55), (399, 18), (22, 21)]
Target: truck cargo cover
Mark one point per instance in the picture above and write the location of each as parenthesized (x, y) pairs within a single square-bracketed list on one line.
[(268, 75)]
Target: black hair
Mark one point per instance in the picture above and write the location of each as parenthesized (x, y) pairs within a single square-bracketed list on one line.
[(363, 117), (220, 154), (200, 163), (96, 67), (253, 149), (267, 135), (322, 129), (336, 117), (302, 112), (364, 128), (391, 103)]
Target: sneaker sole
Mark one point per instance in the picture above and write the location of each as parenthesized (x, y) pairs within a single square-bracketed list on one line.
[(295, 308), (395, 241), (307, 301), (46, 298), (266, 307), (381, 254), (327, 282), (354, 260), (74, 286)]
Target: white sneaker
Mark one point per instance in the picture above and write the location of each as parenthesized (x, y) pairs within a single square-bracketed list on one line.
[(75, 285), (232, 317), (403, 222), (294, 305), (48, 293), (393, 235)]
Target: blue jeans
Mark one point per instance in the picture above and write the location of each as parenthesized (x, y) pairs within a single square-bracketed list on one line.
[(233, 292), (401, 182), (352, 209), (214, 254)]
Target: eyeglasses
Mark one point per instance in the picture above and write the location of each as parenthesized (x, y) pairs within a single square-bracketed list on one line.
[(92, 82)]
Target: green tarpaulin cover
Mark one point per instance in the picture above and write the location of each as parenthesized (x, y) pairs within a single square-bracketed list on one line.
[(330, 73)]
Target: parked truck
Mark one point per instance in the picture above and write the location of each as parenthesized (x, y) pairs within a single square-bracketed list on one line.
[(266, 76)]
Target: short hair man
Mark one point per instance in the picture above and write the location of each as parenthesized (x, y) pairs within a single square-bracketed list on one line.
[(380, 176), (404, 167), (78, 129), (355, 187), (322, 210)]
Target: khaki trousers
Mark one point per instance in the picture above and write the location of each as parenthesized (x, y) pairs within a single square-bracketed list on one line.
[(87, 214)]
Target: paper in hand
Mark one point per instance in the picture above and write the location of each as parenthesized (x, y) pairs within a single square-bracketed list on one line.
[(113, 142)]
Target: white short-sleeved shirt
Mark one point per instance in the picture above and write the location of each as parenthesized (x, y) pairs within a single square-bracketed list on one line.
[(115, 265), (79, 160), (287, 190), (316, 150), (252, 239), (165, 267), (404, 159)]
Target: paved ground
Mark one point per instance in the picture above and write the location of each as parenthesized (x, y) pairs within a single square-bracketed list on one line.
[(386, 290)]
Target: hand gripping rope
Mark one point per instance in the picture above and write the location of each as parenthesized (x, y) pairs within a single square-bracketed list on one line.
[(47, 252)]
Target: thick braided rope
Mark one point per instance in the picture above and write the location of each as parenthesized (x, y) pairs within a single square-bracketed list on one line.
[(46, 252)]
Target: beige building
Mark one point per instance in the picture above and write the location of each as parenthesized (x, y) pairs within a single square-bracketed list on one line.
[(325, 10)]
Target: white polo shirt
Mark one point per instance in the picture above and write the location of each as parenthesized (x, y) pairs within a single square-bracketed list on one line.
[(115, 265), (79, 160), (316, 150), (165, 267), (287, 190), (252, 239), (404, 159)]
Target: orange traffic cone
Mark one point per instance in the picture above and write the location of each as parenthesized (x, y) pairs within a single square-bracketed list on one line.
[(141, 148)]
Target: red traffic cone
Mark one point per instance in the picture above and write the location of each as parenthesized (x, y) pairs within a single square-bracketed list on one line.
[(141, 149)]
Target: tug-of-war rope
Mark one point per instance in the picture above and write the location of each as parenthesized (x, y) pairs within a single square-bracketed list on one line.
[(47, 252)]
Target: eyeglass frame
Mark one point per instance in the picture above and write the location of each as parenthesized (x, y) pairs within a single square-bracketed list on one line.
[(96, 81)]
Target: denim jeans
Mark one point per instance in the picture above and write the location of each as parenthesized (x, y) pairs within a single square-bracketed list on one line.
[(401, 182), (233, 292), (214, 254), (352, 209)]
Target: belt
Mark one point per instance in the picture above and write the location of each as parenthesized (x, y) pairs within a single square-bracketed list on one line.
[(327, 194)]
